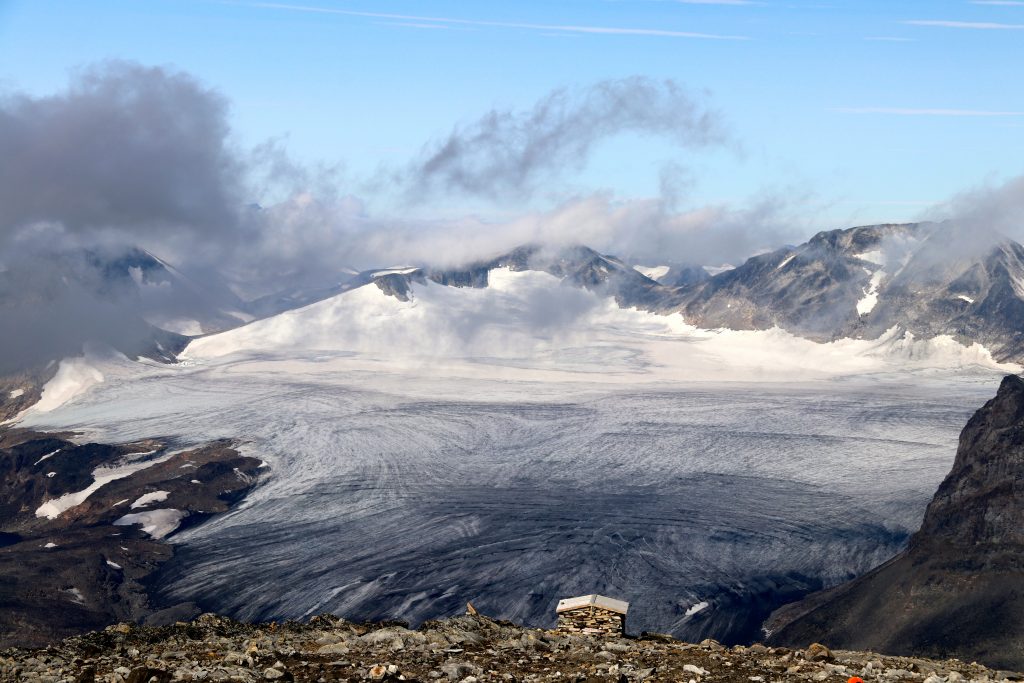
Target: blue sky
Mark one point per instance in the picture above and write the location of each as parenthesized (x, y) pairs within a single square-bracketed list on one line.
[(863, 110)]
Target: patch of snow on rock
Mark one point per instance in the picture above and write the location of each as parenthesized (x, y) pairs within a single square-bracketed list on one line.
[(156, 523), (653, 272), (50, 545), (154, 497), (52, 509), (876, 256), (48, 455), (715, 270), (785, 261), (870, 299), (16, 393), (965, 298), (115, 565), (699, 607)]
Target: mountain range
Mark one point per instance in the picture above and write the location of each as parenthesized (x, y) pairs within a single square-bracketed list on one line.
[(854, 283), (909, 281), (924, 279)]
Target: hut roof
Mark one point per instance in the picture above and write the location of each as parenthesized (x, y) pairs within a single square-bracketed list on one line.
[(610, 604)]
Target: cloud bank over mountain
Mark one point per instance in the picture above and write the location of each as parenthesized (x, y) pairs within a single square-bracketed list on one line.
[(131, 155), (145, 155)]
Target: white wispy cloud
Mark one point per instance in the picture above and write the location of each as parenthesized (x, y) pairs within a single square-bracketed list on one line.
[(907, 111), (976, 25), (411, 24), (565, 28)]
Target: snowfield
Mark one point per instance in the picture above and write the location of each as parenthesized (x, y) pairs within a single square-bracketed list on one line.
[(74, 377), (531, 441)]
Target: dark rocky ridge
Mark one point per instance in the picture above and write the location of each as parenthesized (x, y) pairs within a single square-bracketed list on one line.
[(95, 572), (958, 589), (469, 649)]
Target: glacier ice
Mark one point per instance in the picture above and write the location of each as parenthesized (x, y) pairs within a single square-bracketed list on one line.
[(520, 443)]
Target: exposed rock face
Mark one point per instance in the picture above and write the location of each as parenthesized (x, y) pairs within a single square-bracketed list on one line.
[(467, 649), (976, 295), (84, 565), (811, 290), (959, 587)]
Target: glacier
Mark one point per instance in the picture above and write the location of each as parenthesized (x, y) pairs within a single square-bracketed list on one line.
[(524, 442)]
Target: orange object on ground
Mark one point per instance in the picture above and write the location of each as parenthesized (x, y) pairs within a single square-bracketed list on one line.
[(855, 679)]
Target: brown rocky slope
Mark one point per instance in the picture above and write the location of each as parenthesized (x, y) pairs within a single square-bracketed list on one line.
[(87, 567)]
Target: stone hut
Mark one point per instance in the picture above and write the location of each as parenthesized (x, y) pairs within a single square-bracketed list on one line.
[(592, 614)]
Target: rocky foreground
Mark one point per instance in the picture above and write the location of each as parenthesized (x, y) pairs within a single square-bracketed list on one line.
[(467, 649)]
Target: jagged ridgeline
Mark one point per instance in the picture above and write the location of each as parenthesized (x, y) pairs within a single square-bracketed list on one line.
[(958, 589), (926, 279)]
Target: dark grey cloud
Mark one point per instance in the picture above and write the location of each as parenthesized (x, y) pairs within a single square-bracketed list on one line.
[(126, 155), (141, 149), (508, 153), (53, 300)]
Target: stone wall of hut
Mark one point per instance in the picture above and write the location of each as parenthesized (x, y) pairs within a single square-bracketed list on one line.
[(591, 620)]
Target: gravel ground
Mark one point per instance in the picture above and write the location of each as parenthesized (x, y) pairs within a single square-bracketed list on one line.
[(466, 649)]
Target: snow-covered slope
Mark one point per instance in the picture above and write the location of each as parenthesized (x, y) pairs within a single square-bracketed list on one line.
[(534, 320)]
